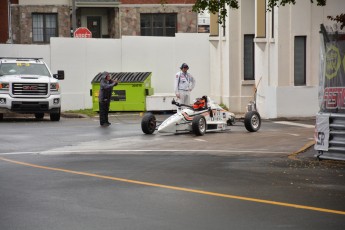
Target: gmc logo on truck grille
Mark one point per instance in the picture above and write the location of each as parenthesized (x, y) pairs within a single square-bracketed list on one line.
[(30, 89)]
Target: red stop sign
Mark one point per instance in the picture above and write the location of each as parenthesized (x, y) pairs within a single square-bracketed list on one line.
[(82, 32)]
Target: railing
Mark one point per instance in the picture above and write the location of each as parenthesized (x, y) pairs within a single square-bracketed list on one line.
[(336, 140)]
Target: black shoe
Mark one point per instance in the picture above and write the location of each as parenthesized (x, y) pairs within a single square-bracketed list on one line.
[(108, 123), (105, 125)]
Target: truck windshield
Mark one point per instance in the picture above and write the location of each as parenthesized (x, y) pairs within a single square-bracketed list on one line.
[(23, 69)]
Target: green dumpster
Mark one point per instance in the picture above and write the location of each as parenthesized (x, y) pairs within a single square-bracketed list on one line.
[(129, 95)]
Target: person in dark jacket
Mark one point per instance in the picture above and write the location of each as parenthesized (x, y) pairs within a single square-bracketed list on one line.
[(106, 88)]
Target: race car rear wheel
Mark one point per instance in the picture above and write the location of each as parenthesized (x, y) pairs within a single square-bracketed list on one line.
[(252, 121), (148, 123), (199, 125)]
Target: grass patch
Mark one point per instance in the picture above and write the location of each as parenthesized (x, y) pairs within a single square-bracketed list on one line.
[(88, 112), (224, 106)]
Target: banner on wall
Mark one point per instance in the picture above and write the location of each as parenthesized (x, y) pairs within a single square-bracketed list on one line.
[(332, 77)]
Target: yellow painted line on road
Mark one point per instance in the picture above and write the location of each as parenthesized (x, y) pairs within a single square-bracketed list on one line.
[(293, 156), (177, 188)]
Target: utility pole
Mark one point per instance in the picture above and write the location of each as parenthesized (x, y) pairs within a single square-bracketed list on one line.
[(9, 41), (74, 17)]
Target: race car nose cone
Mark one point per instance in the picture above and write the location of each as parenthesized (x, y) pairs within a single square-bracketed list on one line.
[(169, 125)]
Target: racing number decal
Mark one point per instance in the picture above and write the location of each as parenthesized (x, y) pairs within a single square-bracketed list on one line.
[(216, 115)]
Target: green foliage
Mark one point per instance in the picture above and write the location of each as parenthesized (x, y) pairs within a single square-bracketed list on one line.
[(88, 112), (339, 18), (224, 106), (219, 6), (273, 3), (215, 6)]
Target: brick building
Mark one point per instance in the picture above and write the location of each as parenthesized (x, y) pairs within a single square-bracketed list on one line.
[(35, 21)]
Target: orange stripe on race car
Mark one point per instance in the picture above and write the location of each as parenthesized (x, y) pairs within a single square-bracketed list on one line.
[(186, 117), (190, 118)]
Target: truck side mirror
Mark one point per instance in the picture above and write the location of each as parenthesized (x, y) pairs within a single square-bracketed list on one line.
[(60, 75)]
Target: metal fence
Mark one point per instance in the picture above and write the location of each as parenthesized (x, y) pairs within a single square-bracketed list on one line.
[(336, 140)]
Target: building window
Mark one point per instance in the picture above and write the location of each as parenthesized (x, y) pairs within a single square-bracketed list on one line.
[(214, 25), (261, 18), (272, 20), (44, 26), (248, 56), (300, 63), (158, 25)]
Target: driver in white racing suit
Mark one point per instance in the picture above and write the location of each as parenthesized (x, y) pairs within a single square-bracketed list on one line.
[(184, 84)]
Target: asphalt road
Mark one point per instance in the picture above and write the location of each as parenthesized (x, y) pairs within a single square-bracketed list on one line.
[(74, 174)]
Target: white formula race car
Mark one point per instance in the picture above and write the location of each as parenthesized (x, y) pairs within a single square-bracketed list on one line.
[(204, 115)]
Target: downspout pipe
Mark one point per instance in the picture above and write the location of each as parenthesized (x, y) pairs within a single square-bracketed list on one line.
[(9, 41), (74, 17)]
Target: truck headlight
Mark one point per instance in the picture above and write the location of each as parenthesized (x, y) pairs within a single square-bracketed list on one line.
[(4, 86), (54, 86)]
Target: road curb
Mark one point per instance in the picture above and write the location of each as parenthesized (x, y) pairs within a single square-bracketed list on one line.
[(294, 155), (74, 115)]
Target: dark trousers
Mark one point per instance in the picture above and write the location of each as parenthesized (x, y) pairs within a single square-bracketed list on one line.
[(103, 112)]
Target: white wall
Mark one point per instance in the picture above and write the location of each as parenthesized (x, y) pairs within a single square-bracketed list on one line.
[(82, 59), (164, 55), (274, 59), (277, 95), (37, 51)]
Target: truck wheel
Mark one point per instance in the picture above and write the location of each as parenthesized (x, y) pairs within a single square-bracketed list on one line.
[(148, 123), (39, 115), (252, 121), (1, 116), (199, 125), (55, 116)]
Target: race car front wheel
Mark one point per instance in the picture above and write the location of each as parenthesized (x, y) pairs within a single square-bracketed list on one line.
[(148, 123), (252, 121), (199, 125)]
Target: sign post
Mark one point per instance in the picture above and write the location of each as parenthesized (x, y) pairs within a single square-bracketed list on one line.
[(82, 32)]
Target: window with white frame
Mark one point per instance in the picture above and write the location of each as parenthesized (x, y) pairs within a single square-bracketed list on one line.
[(248, 57), (261, 18), (44, 26), (300, 65)]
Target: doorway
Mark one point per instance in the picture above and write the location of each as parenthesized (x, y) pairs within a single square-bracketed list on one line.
[(94, 25)]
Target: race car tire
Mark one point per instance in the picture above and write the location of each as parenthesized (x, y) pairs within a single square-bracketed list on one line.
[(199, 125), (252, 121), (148, 123)]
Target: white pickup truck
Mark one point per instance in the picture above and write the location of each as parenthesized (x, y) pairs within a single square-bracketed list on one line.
[(27, 86)]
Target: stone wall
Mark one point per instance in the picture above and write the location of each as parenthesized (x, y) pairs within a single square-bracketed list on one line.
[(123, 21), (22, 21)]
